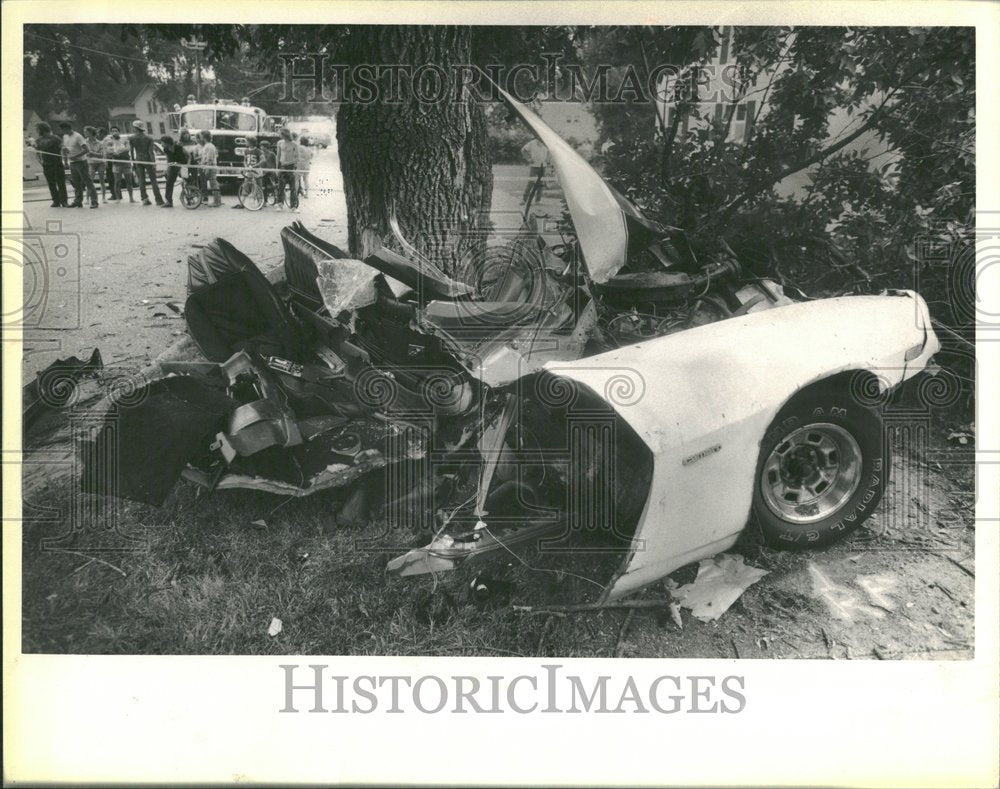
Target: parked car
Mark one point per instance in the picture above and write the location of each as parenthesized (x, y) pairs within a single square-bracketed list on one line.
[(612, 386)]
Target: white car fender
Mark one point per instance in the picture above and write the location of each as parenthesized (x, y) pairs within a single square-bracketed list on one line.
[(702, 400)]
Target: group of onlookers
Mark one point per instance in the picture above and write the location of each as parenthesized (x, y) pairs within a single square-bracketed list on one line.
[(109, 160), (281, 165), (199, 151), (97, 157)]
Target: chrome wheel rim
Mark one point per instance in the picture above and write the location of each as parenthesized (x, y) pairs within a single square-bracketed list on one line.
[(811, 473)]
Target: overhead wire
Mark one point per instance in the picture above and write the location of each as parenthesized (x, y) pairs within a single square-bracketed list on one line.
[(104, 52)]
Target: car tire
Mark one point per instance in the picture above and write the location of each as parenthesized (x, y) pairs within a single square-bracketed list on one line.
[(822, 470)]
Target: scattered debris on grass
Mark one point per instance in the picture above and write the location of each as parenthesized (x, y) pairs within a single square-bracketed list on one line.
[(719, 583)]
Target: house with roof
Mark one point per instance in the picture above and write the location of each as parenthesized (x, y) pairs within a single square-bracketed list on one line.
[(737, 107), (138, 102)]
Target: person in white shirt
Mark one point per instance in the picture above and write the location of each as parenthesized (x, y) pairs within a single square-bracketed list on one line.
[(288, 157), (304, 161), (210, 164), (75, 153), (116, 150), (95, 158)]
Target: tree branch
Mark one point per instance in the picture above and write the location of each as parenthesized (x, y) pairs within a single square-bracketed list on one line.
[(819, 156)]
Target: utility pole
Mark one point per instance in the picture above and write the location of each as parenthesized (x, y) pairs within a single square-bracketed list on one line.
[(197, 46)]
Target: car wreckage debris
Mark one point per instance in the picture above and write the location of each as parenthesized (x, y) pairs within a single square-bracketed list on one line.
[(719, 583), (596, 389)]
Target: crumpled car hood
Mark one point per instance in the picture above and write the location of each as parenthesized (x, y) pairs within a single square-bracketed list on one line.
[(601, 216)]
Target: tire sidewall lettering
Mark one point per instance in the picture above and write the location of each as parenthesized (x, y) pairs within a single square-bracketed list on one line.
[(862, 426)]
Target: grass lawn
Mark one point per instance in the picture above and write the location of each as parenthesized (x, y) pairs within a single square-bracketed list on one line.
[(204, 578)]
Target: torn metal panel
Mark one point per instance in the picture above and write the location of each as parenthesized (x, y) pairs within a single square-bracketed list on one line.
[(334, 457), (598, 217), (445, 552), (491, 445), (263, 418), (337, 475), (56, 386), (719, 583)]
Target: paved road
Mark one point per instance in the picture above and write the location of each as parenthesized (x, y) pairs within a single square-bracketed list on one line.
[(133, 260)]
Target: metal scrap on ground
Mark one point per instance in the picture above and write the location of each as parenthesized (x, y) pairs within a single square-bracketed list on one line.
[(719, 583)]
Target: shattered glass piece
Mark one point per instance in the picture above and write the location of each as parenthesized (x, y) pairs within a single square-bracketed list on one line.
[(346, 285)]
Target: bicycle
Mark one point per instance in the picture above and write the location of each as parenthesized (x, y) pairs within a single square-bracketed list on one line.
[(191, 195), (253, 195)]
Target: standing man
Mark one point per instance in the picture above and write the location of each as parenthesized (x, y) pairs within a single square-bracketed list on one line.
[(95, 159), (194, 157), (288, 156), (267, 164), (49, 153), (141, 147), (210, 167), (537, 157), (109, 169), (75, 151), (304, 162), (116, 149), (176, 158)]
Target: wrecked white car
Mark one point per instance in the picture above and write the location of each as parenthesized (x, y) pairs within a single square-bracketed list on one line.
[(607, 388)]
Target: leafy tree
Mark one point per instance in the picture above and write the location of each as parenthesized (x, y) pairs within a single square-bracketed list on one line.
[(909, 95), (884, 199), (77, 68)]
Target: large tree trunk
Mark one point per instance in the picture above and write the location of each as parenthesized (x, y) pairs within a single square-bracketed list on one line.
[(427, 162)]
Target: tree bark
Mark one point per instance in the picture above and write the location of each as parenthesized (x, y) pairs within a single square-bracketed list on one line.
[(427, 161)]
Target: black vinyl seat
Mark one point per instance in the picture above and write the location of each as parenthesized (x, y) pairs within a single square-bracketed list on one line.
[(302, 251), (232, 307)]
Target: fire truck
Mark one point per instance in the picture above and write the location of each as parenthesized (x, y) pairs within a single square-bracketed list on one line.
[(233, 126)]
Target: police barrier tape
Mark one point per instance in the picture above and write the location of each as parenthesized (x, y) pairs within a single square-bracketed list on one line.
[(234, 169), (219, 168)]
